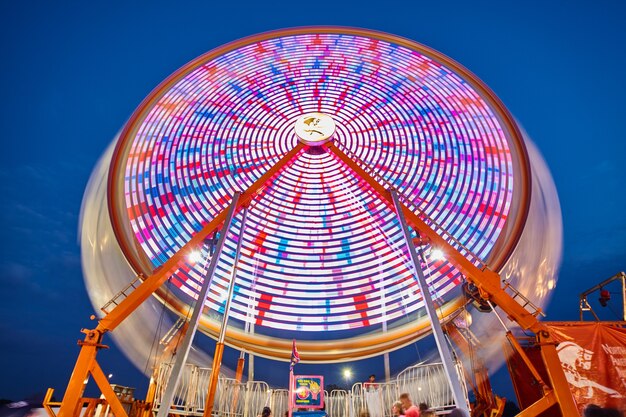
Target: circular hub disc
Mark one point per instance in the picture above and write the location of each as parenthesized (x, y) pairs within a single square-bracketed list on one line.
[(315, 129)]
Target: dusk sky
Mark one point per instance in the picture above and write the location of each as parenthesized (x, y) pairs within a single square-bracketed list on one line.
[(73, 72)]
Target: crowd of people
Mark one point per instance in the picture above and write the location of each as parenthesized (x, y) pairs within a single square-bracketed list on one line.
[(403, 407)]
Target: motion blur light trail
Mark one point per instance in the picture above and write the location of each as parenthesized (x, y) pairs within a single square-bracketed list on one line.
[(322, 256)]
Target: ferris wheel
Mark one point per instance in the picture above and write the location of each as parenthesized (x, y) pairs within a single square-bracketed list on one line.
[(304, 133)]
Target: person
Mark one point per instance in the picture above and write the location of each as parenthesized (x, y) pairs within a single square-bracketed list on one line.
[(373, 399), (410, 410), (425, 410), (371, 383), (593, 410), (267, 412), (396, 409)]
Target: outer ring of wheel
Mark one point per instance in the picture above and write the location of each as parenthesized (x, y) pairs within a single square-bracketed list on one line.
[(363, 346)]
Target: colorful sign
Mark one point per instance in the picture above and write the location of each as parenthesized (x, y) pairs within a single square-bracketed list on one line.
[(308, 391)]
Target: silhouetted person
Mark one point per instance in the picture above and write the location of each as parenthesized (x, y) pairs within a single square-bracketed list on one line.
[(592, 410), (267, 412)]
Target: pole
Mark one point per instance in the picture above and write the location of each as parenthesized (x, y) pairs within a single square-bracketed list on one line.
[(183, 351), (444, 351), (624, 296), (290, 392), (238, 376), (384, 314), (219, 346)]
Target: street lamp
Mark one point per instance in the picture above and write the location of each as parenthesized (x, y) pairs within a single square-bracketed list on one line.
[(347, 374)]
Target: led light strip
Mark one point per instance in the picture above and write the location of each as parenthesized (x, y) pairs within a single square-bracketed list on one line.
[(320, 250)]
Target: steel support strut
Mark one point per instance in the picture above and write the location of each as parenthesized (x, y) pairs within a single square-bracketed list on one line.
[(442, 346), (219, 347), (183, 352)]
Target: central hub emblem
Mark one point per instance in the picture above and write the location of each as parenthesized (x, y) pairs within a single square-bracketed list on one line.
[(314, 129)]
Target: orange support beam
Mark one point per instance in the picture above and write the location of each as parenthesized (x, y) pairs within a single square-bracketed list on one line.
[(238, 376), (213, 380), (488, 283), (559, 383), (107, 391), (86, 360), (73, 394), (515, 344), (239, 373), (47, 403), (541, 405)]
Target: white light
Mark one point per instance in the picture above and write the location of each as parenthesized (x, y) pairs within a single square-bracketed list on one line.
[(195, 256), (436, 255), (347, 373), (419, 388), (110, 376)]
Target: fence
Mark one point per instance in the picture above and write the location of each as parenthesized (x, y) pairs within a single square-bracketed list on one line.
[(426, 383)]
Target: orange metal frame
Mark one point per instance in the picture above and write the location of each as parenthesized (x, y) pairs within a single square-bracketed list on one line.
[(86, 363), (488, 283), (485, 279)]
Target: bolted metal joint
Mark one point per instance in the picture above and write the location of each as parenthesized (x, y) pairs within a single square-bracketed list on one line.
[(92, 338)]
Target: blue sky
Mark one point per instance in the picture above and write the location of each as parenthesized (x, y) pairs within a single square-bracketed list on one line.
[(73, 72)]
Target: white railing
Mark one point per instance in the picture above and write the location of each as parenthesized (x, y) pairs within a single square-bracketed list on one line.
[(425, 383), (338, 403), (279, 402), (184, 398), (428, 383), (257, 395), (376, 398), (232, 399)]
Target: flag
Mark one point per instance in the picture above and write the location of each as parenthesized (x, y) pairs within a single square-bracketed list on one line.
[(295, 357)]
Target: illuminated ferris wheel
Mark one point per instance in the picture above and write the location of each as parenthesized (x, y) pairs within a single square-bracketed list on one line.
[(306, 135)]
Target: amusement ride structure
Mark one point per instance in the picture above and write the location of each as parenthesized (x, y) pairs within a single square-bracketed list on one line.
[(349, 189)]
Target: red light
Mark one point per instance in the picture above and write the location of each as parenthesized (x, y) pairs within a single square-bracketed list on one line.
[(605, 296)]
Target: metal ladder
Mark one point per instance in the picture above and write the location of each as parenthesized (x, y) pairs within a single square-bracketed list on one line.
[(525, 302), (117, 298)]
